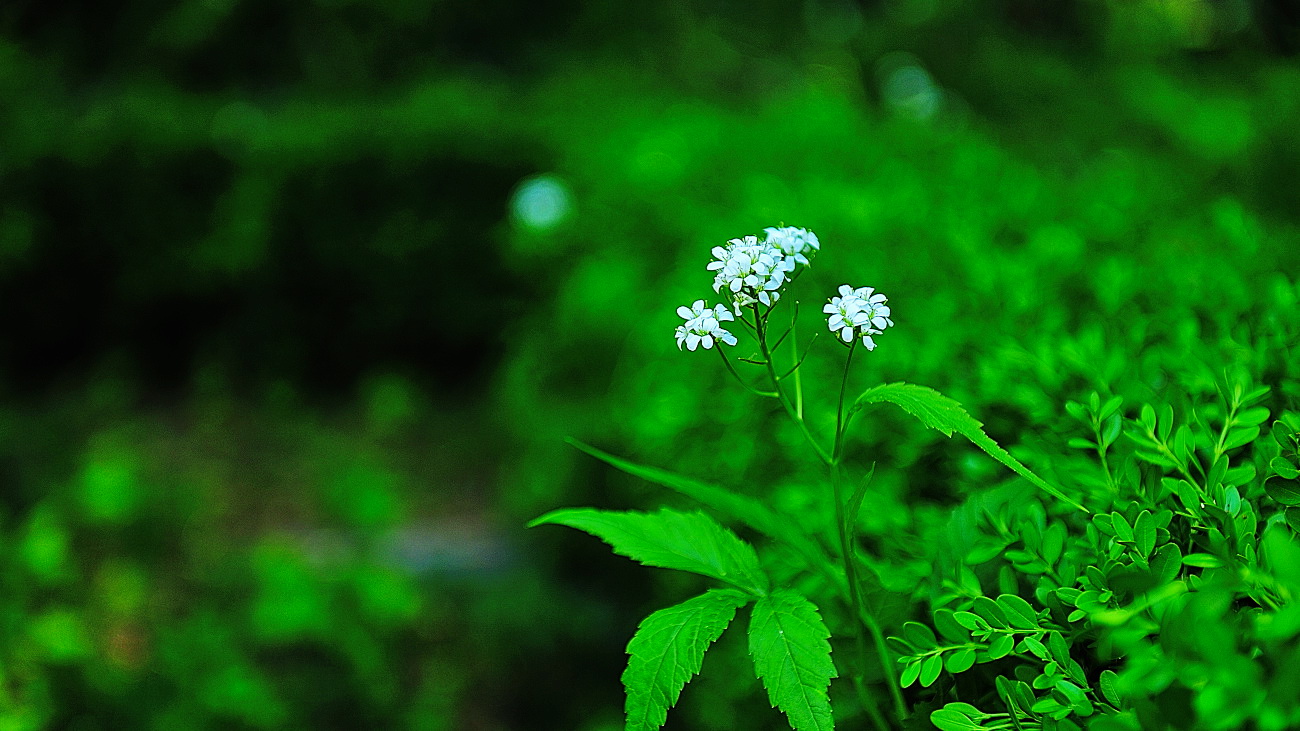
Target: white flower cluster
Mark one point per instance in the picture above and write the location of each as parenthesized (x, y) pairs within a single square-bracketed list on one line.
[(703, 326), (795, 243), (751, 270), (860, 311)]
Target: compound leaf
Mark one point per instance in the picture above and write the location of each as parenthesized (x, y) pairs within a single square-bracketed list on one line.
[(670, 539), (792, 656), (745, 509), (668, 650), (947, 416)]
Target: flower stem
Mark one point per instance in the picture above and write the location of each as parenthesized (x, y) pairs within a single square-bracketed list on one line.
[(727, 362), (839, 409), (780, 394), (868, 621), (855, 600)]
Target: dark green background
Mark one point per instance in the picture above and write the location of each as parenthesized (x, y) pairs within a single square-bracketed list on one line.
[(288, 356)]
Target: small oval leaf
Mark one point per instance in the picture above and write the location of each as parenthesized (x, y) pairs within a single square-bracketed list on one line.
[(960, 661), (1109, 678), (930, 670)]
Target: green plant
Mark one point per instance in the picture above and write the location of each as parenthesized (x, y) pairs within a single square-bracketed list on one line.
[(1173, 523)]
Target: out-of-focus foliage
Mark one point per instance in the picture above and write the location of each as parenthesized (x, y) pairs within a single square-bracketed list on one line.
[(301, 297)]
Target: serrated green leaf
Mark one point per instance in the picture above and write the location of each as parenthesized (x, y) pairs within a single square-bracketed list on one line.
[(745, 509), (788, 642), (947, 416), (960, 661), (670, 539), (668, 650)]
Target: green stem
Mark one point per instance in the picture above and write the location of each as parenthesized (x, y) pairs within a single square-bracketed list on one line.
[(839, 409), (780, 394), (1223, 433), (850, 560), (855, 599), (865, 618), (730, 367)]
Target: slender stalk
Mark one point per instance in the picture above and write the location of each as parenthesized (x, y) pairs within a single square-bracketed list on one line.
[(730, 367), (849, 558), (839, 409), (798, 379), (780, 394), (865, 619), (855, 600)]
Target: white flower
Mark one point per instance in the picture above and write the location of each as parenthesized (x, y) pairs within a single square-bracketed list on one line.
[(703, 326), (862, 311), (796, 243), (751, 270)]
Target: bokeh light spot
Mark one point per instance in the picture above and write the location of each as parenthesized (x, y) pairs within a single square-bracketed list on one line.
[(541, 203), (907, 88)]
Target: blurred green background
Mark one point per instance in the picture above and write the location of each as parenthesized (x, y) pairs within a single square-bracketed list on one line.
[(300, 299)]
